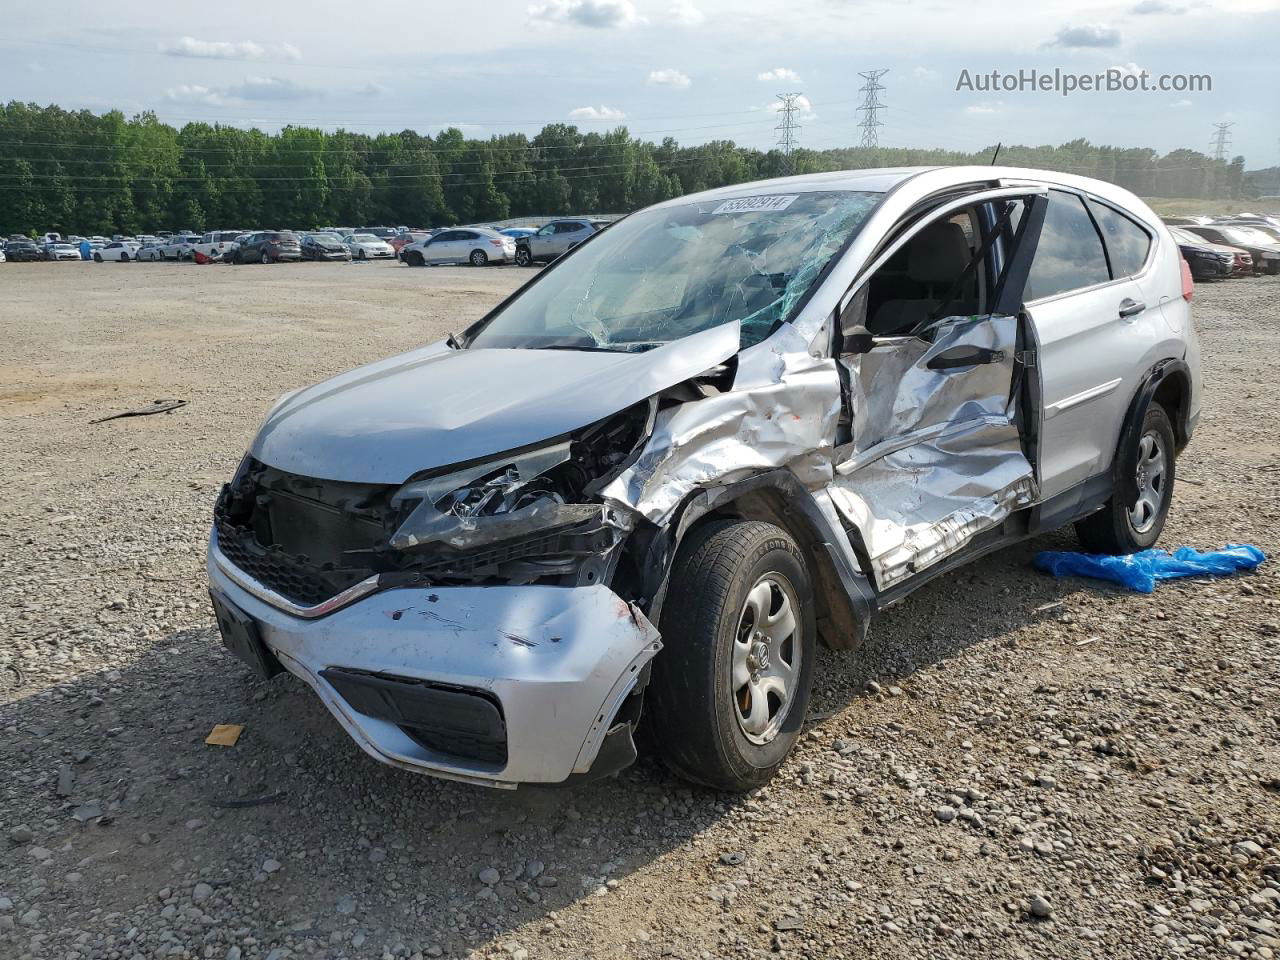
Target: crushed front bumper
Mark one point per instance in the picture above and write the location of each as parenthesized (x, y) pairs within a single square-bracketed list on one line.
[(558, 663)]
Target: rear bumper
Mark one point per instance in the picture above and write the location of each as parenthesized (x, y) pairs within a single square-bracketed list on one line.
[(557, 663)]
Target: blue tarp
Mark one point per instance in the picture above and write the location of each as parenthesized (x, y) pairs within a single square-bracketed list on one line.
[(1140, 571)]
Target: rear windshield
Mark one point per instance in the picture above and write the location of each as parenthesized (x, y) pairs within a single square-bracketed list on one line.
[(670, 272)]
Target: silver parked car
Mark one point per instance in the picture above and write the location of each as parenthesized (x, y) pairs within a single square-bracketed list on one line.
[(555, 239), (735, 425), (477, 246)]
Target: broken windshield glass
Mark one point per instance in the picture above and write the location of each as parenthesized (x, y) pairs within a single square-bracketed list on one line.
[(670, 272)]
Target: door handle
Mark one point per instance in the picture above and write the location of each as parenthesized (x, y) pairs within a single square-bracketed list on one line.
[(958, 357), (1130, 308)]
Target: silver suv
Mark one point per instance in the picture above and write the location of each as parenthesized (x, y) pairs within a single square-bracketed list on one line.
[(736, 425), (556, 239)]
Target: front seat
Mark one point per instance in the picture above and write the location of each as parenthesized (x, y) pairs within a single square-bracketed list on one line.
[(936, 256)]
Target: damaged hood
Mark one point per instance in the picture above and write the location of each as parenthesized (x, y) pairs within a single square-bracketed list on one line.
[(435, 406)]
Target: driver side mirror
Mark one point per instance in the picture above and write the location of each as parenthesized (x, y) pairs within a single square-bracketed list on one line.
[(858, 340)]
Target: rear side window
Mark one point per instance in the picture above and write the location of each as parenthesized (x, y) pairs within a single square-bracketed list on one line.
[(1127, 243), (1070, 254), (568, 227)]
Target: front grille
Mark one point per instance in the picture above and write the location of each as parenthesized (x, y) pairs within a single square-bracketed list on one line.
[(303, 538)]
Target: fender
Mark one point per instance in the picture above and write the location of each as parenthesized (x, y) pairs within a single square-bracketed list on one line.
[(1124, 465), (845, 594)]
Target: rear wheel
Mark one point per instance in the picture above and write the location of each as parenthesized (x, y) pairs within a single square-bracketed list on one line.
[(266, 257), (730, 690), (124, 257), (1118, 528), (478, 258)]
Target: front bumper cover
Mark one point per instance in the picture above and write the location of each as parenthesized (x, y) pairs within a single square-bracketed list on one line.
[(559, 661)]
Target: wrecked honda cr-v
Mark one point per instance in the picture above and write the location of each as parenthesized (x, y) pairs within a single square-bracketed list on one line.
[(727, 428)]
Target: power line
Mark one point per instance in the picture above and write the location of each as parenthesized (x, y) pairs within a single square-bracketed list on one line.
[(788, 129), (1221, 139), (871, 90)]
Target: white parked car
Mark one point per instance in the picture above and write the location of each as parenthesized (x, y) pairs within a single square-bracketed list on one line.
[(474, 245), (121, 250), (365, 246), (217, 244), (61, 251), (177, 247), (150, 251)]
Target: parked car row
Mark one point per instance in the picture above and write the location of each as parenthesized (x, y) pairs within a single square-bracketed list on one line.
[(478, 245), (1220, 248)]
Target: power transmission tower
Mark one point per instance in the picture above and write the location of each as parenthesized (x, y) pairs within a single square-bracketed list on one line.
[(871, 90), (788, 129), (1221, 139)]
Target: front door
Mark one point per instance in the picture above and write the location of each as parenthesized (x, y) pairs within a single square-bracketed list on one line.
[(934, 452)]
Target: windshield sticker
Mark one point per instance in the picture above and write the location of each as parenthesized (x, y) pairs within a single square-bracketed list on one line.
[(755, 204)]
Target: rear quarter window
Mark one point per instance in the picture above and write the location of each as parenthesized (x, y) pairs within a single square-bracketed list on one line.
[(1127, 243), (1070, 254)]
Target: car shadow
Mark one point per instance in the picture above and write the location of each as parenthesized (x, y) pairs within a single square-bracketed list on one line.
[(302, 837)]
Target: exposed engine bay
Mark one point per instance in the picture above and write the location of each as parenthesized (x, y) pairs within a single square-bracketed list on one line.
[(522, 518)]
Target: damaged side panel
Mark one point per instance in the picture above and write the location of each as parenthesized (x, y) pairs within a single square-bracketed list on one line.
[(936, 456)]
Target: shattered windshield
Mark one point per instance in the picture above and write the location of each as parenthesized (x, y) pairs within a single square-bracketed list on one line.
[(667, 273)]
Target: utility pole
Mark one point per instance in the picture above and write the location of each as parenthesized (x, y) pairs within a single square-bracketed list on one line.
[(788, 129), (871, 90), (1221, 139)]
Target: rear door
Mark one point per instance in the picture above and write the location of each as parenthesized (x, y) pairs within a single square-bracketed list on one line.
[(934, 455), (1092, 306)]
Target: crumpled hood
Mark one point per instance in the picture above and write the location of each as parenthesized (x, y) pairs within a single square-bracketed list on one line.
[(434, 406)]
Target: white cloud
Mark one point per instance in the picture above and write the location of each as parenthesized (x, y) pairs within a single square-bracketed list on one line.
[(985, 108), (669, 78), (227, 50), (270, 88), (686, 14), (1157, 7), (805, 115), (1129, 69), (1087, 35), (251, 89), (195, 93), (1180, 104), (924, 73), (596, 113), (372, 89), (780, 75), (600, 14)]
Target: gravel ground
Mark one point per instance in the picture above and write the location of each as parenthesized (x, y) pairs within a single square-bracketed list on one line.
[(1014, 766)]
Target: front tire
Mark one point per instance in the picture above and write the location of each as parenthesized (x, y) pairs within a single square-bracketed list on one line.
[(416, 259), (730, 690), (97, 258), (1120, 529), (523, 257)]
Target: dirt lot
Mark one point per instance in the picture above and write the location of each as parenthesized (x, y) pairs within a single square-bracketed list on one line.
[(1014, 766)]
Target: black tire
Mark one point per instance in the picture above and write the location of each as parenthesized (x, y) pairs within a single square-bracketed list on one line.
[(523, 257), (416, 259), (697, 724), (124, 256), (97, 257), (266, 257), (478, 258), (1114, 529)]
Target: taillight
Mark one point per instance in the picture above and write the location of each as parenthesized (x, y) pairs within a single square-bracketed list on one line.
[(1188, 284), (496, 243)]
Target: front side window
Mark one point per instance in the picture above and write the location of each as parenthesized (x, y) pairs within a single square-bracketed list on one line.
[(670, 272), (1069, 255), (1127, 243)]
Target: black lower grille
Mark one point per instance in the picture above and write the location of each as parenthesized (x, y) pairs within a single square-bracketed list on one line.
[(455, 721)]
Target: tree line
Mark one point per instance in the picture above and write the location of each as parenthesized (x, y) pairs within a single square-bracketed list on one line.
[(86, 173)]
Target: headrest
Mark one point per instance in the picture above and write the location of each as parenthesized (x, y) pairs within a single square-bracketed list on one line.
[(938, 253)]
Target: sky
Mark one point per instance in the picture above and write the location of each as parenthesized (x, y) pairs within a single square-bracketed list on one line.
[(695, 70)]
